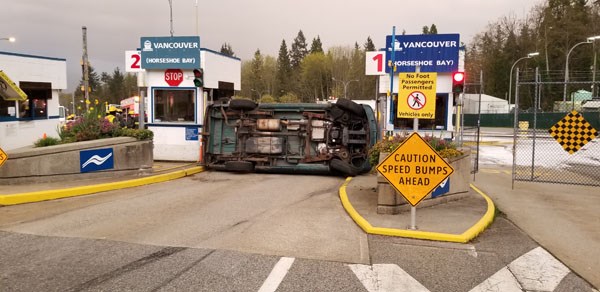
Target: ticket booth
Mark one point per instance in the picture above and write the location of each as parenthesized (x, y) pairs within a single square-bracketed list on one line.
[(175, 105), (29, 90)]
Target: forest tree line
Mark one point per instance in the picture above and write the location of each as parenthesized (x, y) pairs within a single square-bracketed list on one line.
[(307, 72), (551, 29)]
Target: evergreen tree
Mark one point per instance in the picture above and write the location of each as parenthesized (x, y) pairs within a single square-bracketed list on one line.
[(284, 70), (298, 50), (369, 45), (430, 30), (433, 29), (316, 46), (227, 50), (116, 87)]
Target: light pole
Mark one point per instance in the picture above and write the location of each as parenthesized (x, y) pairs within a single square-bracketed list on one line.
[(589, 40), (345, 83), (10, 39), (594, 64), (530, 55)]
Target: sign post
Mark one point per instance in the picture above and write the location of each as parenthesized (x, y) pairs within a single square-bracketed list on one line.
[(416, 99)]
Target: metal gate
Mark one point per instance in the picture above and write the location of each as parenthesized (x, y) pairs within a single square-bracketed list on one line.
[(555, 147)]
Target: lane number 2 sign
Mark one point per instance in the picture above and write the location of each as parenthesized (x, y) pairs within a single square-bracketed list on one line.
[(133, 61)]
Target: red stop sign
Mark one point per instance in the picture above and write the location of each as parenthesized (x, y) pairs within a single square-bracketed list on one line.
[(173, 77)]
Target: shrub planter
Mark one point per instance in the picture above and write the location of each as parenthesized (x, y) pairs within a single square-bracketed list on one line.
[(389, 201), (101, 158)]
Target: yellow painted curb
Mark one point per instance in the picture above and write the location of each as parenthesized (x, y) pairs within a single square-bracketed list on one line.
[(31, 197), (465, 237)]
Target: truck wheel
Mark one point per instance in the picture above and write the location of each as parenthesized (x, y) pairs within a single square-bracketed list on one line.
[(242, 104), (239, 166), (351, 106), (343, 167)]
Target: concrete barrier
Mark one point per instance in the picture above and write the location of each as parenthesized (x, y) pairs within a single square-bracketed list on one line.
[(389, 201), (62, 162)]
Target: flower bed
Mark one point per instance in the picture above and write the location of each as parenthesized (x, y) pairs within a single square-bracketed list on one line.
[(391, 202)]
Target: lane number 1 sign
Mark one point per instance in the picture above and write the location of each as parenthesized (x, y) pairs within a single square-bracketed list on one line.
[(375, 63)]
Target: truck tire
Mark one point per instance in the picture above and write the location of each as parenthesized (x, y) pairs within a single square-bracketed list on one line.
[(351, 106), (343, 167), (239, 166), (242, 104)]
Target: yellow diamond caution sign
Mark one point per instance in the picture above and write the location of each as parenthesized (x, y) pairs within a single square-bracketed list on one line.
[(414, 169), (573, 132), (3, 156), (417, 95)]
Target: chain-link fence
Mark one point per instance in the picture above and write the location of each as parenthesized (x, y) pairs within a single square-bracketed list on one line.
[(559, 147)]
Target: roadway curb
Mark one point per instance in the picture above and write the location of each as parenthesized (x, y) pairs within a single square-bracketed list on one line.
[(21, 198), (465, 237)]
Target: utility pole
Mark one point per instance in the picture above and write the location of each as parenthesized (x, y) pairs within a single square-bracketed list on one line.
[(86, 70), (197, 33), (171, 15)]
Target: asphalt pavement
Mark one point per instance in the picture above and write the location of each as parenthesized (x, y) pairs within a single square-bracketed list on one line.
[(561, 218)]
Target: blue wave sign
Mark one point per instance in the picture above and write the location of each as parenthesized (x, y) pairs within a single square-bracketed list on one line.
[(432, 52), (97, 159)]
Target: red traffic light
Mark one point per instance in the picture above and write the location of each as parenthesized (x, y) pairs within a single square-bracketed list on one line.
[(458, 82), (458, 76)]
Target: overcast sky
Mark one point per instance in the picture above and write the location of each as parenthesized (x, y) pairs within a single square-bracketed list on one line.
[(53, 27)]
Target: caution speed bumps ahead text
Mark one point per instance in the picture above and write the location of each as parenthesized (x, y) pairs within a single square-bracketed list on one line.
[(573, 132), (404, 167), (414, 169)]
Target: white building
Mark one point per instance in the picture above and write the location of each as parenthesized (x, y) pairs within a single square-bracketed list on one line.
[(24, 120), (176, 113), (489, 104)]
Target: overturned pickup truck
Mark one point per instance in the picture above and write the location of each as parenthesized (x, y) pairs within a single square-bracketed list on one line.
[(243, 136)]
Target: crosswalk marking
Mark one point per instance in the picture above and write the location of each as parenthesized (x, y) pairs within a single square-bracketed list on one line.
[(277, 274), (538, 270), (502, 281), (386, 277)]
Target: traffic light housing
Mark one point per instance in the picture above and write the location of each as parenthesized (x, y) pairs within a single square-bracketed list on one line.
[(199, 77), (458, 82)]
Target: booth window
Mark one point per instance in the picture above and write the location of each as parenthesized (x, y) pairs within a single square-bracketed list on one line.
[(36, 106), (174, 105), (7, 108)]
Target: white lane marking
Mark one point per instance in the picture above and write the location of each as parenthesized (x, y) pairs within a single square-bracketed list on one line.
[(277, 274), (538, 270), (501, 281), (386, 277)]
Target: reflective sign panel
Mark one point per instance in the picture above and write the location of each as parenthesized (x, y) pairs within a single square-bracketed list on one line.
[(573, 132), (414, 169)]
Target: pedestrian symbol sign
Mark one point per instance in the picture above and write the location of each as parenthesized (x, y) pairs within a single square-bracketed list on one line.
[(414, 169), (416, 100), (416, 95), (3, 156)]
